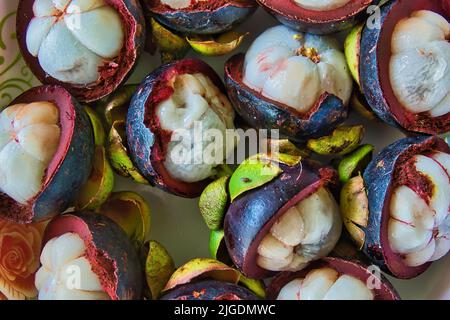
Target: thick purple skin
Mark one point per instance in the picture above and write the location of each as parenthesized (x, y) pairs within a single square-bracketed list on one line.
[(205, 22), (138, 135), (324, 28), (378, 179), (210, 289), (252, 212), (73, 172), (368, 69), (108, 237), (262, 113)]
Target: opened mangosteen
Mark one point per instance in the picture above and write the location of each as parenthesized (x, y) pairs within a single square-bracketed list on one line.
[(88, 47), (319, 17), (285, 223), (177, 127), (46, 151), (294, 82), (88, 257), (199, 16), (403, 73), (206, 279), (332, 279), (400, 206)]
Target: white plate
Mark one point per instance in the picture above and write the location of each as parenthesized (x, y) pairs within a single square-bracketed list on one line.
[(176, 222)]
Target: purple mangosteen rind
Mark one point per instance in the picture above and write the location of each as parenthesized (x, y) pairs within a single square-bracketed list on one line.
[(250, 216), (112, 256), (379, 182), (368, 69), (209, 290), (72, 162), (144, 142), (374, 52), (313, 24), (203, 22), (131, 12), (263, 113), (354, 268)]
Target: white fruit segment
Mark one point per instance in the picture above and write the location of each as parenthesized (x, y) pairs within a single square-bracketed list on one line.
[(349, 288), (442, 240), (321, 5), (420, 63), (317, 283), (274, 264), (307, 231), (72, 39), (440, 198), (418, 230), (44, 8), (66, 273), (29, 138), (290, 228), (295, 68), (198, 114), (443, 159), (180, 4), (291, 290), (326, 284)]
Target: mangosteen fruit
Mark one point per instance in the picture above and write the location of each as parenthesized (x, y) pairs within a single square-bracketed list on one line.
[(332, 279), (399, 208), (319, 17), (199, 16), (294, 82), (285, 223), (206, 279), (403, 73), (46, 151), (89, 47), (210, 290), (177, 127), (88, 257)]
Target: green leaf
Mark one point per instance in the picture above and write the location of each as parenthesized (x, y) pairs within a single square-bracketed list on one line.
[(342, 141), (253, 173), (213, 203), (355, 162), (219, 46)]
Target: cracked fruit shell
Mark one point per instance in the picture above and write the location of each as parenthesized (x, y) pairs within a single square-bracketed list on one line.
[(396, 64), (56, 133), (199, 16), (173, 103), (320, 17), (89, 47)]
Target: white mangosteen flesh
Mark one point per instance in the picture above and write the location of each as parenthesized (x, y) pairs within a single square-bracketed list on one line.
[(295, 69), (73, 39), (326, 284), (29, 138), (198, 116), (420, 63), (180, 4), (66, 273), (321, 5), (307, 231), (418, 229)]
